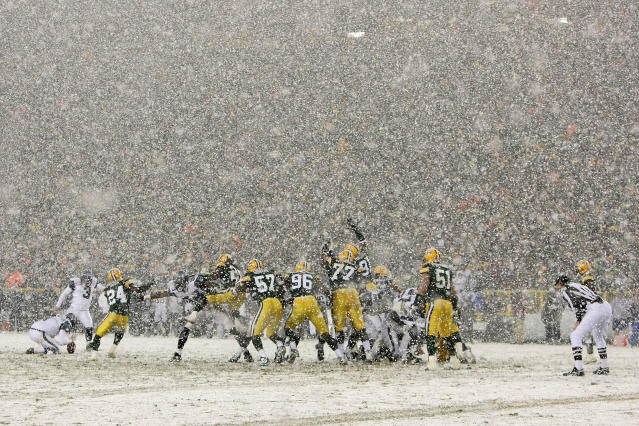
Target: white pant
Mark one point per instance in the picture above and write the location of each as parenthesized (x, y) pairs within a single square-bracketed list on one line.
[(593, 322), (83, 316), (48, 343)]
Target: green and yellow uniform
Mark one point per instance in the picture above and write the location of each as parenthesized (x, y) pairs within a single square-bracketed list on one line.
[(302, 286), (118, 297), (228, 275), (263, 287), (439, 296), (342, 275)]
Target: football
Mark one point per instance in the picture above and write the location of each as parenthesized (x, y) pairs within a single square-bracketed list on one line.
[(71, 347)]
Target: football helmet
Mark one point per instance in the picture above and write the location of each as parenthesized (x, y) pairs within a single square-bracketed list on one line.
[(255, 265), (349, 254), (223, 260), (180, 279), (582, 267), (432, 255), (302, 267), (115, 275), (381, 271), (562, 280), (86, 277)]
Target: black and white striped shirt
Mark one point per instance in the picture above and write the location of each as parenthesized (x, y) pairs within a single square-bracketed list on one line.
[(578, 296)]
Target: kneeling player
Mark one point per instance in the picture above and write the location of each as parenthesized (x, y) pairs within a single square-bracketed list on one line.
[(302, 285), (52, 332)]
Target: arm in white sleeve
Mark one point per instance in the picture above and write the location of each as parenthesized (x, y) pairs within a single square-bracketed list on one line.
[(63, 338), (67, 291)]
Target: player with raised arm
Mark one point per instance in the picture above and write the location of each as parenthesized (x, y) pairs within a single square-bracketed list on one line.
[(81, 291), (303, 286), (263, 287), (52, 332), (343, 274), (592, 314), (118, 294), (440, 295)]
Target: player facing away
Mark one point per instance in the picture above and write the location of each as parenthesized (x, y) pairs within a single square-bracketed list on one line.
[(343, 273), (52, 332), (81, 291), (118, 294), (263, 287), (439, 290), (592, 314), (302, 286)]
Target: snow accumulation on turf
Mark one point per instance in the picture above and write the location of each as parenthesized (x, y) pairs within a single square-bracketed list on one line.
[(510, 384)]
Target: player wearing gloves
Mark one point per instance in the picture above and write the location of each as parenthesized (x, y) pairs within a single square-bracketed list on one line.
[(81, 291), (302, 286), (118, 294)]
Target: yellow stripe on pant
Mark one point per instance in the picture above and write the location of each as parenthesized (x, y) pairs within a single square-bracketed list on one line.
[(112, 320)]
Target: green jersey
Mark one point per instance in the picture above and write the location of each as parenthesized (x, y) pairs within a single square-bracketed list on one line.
[(261, 285), (301, 284), (118, 296), (441, 278)]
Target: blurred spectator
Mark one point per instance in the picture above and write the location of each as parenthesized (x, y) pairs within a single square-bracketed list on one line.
[(518, 310), (551, 315)]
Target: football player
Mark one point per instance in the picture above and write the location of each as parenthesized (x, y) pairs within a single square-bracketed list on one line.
[(264, 288), (81, 291), (407, 324), (438, 289), (189, 292), (377, 300), (592, 314), (302, 286), (226, 277), (118, 294), (52, 332), (343, 273)]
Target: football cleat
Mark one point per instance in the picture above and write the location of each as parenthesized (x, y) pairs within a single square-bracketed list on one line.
[(602, 371), (431, 364), (320, 351), (30, 351), (247, 356), (263, 361), (279, 354), (71, 347), (454, 363), (574, 372), (176, 357), (235, 357), (293, 356)]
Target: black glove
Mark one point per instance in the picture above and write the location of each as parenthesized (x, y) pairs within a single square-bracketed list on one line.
[(358, 232)]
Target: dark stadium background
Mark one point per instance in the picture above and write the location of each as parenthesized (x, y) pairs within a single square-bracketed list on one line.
[(155, 135)]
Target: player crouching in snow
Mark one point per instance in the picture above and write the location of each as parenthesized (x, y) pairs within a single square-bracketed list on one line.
[(118, 295), (52, 332)]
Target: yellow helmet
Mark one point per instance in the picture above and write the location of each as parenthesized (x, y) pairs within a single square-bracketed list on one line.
[(255, 265), (381, 271), (349, 254), (223, 260), (432, 256), (115, 275), (582, 267), (302, 267)]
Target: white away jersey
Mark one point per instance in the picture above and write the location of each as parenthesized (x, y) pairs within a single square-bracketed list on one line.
[(50, 326), (81, 294)]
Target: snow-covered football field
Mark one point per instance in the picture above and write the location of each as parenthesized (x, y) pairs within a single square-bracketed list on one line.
[(510, 384)]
